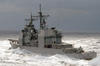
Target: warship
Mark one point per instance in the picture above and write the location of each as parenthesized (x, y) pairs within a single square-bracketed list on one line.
[(47, 40)]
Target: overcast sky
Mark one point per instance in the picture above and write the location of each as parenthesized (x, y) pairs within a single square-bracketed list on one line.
[(67, 15)]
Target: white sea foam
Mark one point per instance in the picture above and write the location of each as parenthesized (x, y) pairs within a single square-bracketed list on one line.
[(95, 61), (22, 57), (88, 44)]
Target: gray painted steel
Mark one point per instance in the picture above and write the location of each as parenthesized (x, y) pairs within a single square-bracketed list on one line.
[(47, 41)]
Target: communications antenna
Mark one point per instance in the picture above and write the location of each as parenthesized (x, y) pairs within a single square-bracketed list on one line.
[(31, 19), (42, 17)]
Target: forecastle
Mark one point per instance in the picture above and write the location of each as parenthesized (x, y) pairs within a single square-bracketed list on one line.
[(47, 40)]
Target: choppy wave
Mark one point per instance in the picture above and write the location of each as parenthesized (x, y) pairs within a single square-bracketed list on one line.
[(22, 57)]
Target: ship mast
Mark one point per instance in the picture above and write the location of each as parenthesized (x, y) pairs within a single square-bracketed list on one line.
[(42, 17), (40, 13), (31, 20)]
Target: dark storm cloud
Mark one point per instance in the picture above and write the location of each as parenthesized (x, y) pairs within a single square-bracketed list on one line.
[(72, 15)]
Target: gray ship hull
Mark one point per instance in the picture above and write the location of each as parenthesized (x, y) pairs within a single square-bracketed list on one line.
[(47, 40), (50, 51)]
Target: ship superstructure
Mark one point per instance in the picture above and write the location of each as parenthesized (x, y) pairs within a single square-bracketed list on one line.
[(47, 40)]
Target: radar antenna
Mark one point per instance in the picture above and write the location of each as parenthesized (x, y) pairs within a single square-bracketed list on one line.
[(31, 20), (42, 17)]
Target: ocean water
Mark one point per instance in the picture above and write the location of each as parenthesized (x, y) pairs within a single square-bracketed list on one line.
[(89, 41)]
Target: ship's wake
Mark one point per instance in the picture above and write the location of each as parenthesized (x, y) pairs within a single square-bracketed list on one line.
[(23, 57)]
